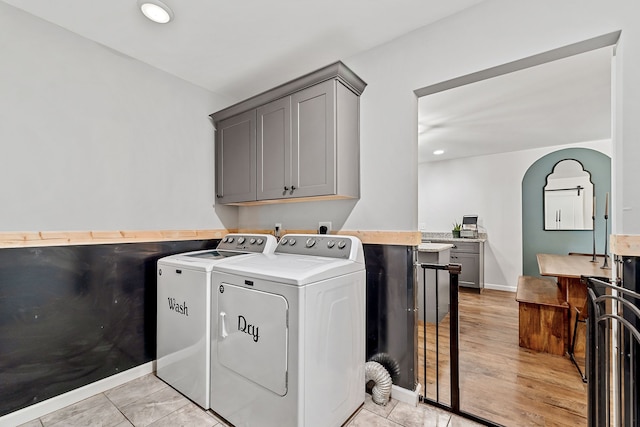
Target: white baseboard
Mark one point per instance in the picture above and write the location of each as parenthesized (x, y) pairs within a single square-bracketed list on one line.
[(500, 287), (37, 410), (407, 396)]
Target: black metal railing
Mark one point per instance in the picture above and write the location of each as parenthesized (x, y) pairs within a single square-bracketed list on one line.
[(451, 400), (613, 352)]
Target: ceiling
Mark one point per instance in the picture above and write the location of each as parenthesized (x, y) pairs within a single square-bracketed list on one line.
[(561, 102), (240, 48)]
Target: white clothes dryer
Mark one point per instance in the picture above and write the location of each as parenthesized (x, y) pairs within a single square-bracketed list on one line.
[(184, 312), (289, 334)]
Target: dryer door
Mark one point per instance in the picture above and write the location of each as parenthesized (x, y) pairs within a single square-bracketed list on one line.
[(253, 335)]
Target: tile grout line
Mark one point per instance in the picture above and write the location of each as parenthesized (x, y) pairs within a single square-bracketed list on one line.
[(170, 413)]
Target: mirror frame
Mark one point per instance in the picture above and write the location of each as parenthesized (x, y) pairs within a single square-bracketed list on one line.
[(544, 199)]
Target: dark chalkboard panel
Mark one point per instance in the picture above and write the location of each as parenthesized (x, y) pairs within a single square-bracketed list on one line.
[(72, 315), (390, 308)]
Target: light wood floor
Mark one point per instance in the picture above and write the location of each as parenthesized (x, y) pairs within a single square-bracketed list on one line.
[(500, 381)]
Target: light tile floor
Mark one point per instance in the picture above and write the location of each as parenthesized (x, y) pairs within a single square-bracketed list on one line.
[(148, 401)]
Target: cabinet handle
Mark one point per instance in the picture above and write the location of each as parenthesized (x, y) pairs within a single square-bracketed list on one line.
[(218, 196), (286, 188), (293, 187)]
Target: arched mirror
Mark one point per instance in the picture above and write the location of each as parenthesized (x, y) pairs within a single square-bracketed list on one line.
[(568, 197)]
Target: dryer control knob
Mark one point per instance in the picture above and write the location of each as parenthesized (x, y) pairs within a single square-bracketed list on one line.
[(230, 239), (252, 241), (260, 241), (331, 244), (283, 242), (292, 242), (310, 242), (341, 244), (241, 240)]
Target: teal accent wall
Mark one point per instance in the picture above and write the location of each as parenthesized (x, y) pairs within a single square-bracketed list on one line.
[(534, 238)]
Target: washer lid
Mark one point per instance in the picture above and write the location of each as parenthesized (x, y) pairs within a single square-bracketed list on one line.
[(233, 244), (199, 260), (289, 268)]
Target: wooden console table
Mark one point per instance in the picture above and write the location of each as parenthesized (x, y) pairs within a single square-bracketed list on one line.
[(568, 269)]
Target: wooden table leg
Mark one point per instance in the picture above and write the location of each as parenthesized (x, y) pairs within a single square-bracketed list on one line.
[(576, 293)]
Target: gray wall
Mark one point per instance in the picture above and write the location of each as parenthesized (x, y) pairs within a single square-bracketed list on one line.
[(94, 140), (492, 33), (534, 238), (86, 129)]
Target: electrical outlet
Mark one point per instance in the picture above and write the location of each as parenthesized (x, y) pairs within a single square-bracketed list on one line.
[(324, 227), (277, 229)]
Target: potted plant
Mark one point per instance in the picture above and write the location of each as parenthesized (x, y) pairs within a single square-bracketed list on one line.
[(456, 230)]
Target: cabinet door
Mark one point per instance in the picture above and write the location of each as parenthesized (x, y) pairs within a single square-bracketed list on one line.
[(274, 150), (313, 149), (469, 276), (236, 158)]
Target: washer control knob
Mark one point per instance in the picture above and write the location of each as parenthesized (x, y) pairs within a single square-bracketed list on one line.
[(310, 242), (260, 241), (331, 244), (224, 240), (283, 242), (252, 241), (241, 240), (292, 241), (230, 239), (341, 244)]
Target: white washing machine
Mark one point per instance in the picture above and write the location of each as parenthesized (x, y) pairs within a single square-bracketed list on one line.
[(184, 312), (288, 334)]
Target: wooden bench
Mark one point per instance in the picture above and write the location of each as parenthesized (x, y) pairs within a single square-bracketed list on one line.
[(542, 315)]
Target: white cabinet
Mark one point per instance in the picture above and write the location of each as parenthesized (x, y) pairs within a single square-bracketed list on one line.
[(305, 144)]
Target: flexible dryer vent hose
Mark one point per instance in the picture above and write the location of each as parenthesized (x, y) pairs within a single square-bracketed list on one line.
[(389, 363), (373, 371)]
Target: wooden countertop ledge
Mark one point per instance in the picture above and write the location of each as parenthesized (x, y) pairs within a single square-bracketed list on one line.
[(63, 238), (625, 244)]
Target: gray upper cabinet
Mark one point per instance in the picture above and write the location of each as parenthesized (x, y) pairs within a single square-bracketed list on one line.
[(313, 143), (274, 150), (306, 140), (236, 158)]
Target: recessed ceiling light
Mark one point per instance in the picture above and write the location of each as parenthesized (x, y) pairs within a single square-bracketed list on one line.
[(156, 11), (438, 152)]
